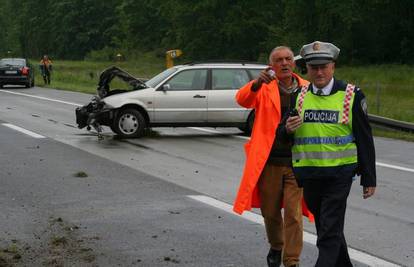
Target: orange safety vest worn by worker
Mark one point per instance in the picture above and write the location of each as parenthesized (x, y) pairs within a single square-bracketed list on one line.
[(266, 102), (46, 62)]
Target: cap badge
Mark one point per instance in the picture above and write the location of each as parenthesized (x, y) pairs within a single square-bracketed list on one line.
[(316, 46)]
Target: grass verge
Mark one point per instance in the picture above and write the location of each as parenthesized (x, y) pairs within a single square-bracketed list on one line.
[(83, 76), (389, 89)]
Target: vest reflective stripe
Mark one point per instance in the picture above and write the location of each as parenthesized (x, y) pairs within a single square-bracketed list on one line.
[(325, 137), (324, 154), (303, 92), (348, 95), (338, 140)]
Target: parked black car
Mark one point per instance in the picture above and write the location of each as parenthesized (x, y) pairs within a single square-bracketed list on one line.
[(16, 71)]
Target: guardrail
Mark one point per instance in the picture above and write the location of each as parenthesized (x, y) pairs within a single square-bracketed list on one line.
[(391, 123)]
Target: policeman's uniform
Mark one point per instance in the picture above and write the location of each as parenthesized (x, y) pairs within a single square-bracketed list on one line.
[(333, 144)]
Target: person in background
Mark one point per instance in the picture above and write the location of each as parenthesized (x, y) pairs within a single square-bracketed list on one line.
[(268, 179), (332, 142), (46, 68)]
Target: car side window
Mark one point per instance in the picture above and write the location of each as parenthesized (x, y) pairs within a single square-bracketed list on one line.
[(255, 73), (228, 78), (188, 80)]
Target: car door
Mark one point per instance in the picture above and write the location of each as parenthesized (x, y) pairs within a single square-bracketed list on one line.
[(222, 106), (182, 99)]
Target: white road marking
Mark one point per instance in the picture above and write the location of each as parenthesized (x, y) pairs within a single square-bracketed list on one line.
[(43, 98), (310, 238), (216, 132), (194, 128), (205, 130), (394, 167), (22, 130)]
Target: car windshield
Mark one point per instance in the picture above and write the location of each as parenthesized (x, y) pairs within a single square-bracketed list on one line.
[(153, 82), (12, 62)]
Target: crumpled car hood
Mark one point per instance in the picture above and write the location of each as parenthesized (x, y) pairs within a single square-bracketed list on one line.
[(110, 73)]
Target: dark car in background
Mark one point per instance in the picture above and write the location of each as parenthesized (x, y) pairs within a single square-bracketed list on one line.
[(16, 71)]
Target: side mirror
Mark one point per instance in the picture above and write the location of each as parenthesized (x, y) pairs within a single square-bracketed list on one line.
[(164, 87)]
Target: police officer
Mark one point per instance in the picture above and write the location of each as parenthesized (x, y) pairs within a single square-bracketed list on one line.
[(332, 143)]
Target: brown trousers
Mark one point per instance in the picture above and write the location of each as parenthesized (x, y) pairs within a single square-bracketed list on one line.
[(277, 184)]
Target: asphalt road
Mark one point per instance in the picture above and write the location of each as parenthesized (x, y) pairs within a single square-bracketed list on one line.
[(134, 206)]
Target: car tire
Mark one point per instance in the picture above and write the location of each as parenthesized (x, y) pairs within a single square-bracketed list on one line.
[(27, 85), (129, 123), (32, 84)]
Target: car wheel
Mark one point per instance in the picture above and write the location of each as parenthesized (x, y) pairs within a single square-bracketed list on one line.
[(27, 85), (32, 84), (129, 123)]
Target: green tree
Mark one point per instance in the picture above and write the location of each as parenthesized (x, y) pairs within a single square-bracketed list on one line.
[(141, 24), (377, 31), (79, 26), (224, 29), (9, 40)]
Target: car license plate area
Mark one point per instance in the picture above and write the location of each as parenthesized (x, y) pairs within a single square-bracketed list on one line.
[(10, 72)]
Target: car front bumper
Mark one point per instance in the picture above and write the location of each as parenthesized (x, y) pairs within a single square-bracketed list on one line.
[(88, 116)]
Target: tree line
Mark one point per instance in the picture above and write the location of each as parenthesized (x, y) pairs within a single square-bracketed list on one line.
[(368, 32)]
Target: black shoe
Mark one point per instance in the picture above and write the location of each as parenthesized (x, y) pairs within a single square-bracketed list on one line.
[(274, 258)]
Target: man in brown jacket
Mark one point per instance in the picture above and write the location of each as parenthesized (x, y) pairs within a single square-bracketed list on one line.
[(268, 179)]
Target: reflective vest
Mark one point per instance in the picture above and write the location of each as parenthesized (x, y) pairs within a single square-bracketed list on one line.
[(325, 137)]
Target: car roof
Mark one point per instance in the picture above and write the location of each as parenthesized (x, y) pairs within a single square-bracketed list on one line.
[(13, 58), (244, 65)]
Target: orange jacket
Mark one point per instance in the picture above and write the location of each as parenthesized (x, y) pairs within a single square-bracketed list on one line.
[(266, 102)]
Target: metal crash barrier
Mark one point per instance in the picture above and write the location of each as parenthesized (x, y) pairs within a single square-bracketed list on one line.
[(391, 123)]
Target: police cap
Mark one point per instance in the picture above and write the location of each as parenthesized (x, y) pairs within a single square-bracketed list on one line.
[(319, 53)]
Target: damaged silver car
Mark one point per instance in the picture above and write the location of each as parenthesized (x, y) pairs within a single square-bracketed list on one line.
[(195, 94)]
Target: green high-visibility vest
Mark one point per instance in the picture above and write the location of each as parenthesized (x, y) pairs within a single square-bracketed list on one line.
[(325, 137)]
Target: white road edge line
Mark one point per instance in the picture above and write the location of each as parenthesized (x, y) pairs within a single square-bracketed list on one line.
[(205, 130), (41, 97), (22, 130), (216, 132), (310, 238), (394, 167), (194, 128)]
